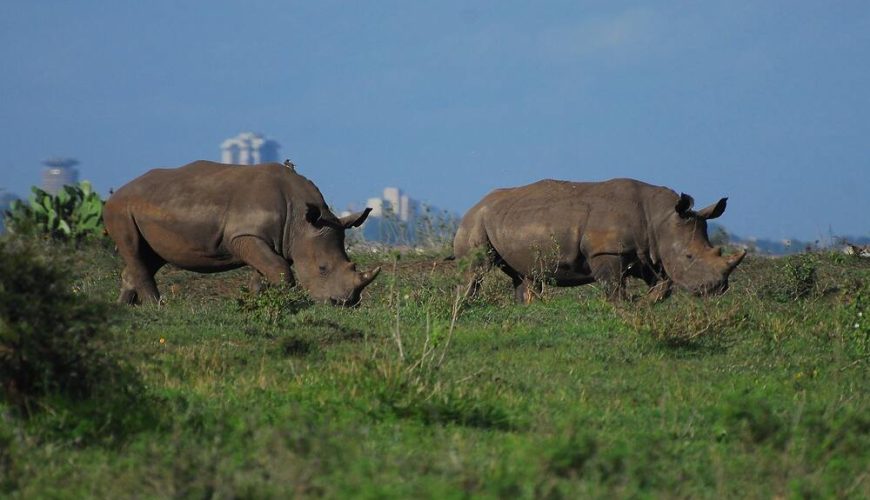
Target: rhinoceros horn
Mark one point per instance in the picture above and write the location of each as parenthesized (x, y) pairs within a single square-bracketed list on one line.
[(365, 278), (734, 260)]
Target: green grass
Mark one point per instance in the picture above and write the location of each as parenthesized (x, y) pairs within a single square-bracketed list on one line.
[(761, 392)]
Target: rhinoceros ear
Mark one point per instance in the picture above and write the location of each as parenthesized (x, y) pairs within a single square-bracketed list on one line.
[(315, 216), (684, 205), (714, 210), (355, 219)]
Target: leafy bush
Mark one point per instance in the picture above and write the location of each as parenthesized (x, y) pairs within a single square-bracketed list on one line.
[(51, 340), (273, 301), (796, 278), (75, 213)]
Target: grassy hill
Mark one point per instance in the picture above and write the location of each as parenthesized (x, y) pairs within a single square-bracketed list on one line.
[(761, 392)]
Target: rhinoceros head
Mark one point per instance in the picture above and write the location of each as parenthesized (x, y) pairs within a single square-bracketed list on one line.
[(320, 260), (686, 253)]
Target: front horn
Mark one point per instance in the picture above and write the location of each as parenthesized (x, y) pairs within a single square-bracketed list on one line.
[(367, 277), (734, 260)]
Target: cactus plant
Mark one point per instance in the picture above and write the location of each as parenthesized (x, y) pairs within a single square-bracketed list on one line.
[(74, 213)]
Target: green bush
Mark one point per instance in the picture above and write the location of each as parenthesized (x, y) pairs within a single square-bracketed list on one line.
[(74, 213), (273, 301), (796, 278), (51, 340)]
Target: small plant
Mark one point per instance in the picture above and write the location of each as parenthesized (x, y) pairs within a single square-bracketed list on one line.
[(273, 301), (74, 213), (546, 264), (796, 278), (435, 230)]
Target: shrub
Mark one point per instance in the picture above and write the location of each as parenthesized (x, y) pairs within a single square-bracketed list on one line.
[(795, 279), (273, 301), (74, 213), (51, 340)]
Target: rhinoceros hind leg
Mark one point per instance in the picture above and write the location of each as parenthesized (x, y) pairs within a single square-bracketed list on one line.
[(258, 254), (137, 282), (478, 261)]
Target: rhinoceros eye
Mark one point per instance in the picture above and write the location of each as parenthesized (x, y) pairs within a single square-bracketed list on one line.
[(323, 270), (689, 256)]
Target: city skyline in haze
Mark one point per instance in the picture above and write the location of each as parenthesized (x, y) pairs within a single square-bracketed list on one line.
[(766, 103)]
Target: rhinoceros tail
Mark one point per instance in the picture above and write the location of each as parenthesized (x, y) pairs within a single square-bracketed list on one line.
[(450, 257)]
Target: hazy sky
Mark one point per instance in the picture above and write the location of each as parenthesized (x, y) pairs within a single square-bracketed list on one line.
[(765, 102)]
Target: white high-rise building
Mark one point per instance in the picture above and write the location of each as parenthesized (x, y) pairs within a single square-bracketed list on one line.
[(59, 172), (249, 148), (398, 204)]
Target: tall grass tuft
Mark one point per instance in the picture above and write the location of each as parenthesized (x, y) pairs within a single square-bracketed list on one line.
[(681, 323)]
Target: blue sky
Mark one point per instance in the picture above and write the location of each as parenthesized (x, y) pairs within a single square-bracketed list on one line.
[(767, 103)]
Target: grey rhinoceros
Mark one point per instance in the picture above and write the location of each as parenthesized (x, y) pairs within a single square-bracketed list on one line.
[(211, 217), (575, 233)]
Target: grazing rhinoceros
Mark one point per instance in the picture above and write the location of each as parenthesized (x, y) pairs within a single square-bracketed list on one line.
[(575, 233), (210, 217)]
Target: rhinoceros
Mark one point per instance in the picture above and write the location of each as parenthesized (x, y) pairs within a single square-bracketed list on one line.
[(210, 217), (574, 233)]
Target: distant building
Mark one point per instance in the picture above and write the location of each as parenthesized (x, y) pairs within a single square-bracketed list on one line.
[(59, 172), (394, 204), (398, 219), (249, 148)]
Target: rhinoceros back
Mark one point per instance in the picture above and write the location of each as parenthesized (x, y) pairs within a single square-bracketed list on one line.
[(571, 220), (188, 215)]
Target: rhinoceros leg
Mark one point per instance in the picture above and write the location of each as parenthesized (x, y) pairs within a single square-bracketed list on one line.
[(610, 271), (255, 283), (526, 289), (141, 263), (659, 291), (138, 285), (658, 283), (258, 254)]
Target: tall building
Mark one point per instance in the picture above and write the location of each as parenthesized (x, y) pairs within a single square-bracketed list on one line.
[(395, 203), (249, 148), (59, 172), (392, 218)]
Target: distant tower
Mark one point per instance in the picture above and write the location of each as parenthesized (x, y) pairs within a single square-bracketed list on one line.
[(249, 148), (59, 172)]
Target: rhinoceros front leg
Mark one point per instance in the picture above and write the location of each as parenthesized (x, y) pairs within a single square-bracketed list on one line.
[(258, 254), (256, 281), (526, 289), (659, 291), (610, 271)]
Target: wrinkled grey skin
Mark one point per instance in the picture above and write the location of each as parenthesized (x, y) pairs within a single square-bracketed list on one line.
[(210, 217), (575, 233)]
